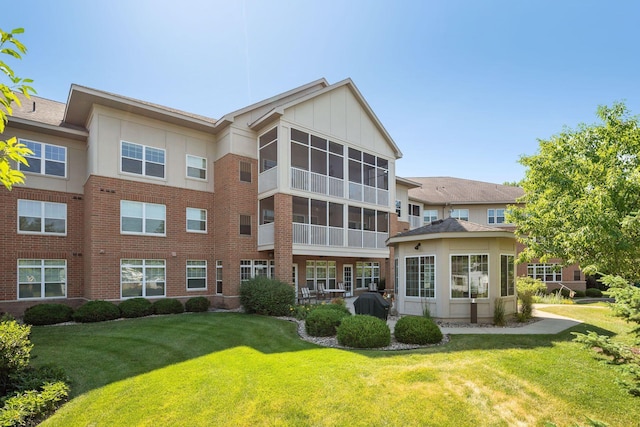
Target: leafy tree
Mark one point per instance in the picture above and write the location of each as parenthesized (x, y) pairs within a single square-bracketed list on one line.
[(581, 204), (582, 196), (11, 149)]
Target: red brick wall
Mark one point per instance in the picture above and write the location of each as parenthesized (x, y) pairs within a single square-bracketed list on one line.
[(283, 243), (234, 198), (22, 246), (105, 246)]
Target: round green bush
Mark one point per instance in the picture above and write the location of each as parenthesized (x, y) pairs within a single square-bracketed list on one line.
[(136, 307), (363, 331), (96, 311), (197, 304), (168, 306), (48, 314), (323, 322), (265, 296), (579, 294), (593, 293), (417, 330)]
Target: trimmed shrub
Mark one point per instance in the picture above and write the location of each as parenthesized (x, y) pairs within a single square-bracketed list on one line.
[(136, 307), (527, 288), (48, 314), (15, 351), (335, 307), (168, 306), (593, 293), (579, 294), (31, 407), (323, 322), (363, 331), (265, 296), (96, 311), (197, 304), (417, 330)]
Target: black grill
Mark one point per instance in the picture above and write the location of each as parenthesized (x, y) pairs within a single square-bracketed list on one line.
[(373, 304)]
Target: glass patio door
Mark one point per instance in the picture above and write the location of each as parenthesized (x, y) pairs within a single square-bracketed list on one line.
[(347, 279)]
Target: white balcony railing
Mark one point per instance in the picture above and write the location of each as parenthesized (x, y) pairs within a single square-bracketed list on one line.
[(321, 235), (415, 221), (268, 180), (266, 234)]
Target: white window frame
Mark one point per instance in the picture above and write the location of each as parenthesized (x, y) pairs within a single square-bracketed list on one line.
[(194, 266), (462, 214), (511, 260), (195, 211), (43, 157), (493, 216), (433, 214), (541, 271), (421, 288), (468, 277), (249, 268), (219, 277), (43, 265), (42, 207), (144, 160), (201, 168), (142, 263), (144, 219)]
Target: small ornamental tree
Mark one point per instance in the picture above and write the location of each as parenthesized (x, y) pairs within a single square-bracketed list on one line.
[(11, 150)]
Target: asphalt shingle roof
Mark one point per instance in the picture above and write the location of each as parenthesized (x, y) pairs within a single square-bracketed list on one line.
[(441, 190), (449, 225)]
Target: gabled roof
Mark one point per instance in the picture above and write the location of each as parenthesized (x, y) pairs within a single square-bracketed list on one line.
[(81, 99), (278, 111), (448, 190), (274, 102), (406, 182), (450, 228)]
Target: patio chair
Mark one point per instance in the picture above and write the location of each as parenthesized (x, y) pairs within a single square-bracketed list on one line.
[(341, 286), (305, 295), (321, 291)]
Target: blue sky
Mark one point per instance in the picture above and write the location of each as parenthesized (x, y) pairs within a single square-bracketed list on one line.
[(464, 87)]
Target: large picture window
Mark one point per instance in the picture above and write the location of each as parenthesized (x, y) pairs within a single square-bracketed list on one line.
[(47, 159), (196, 275), (420, 276), (142, 218), (469, 276), (142, 160), (255, 268), (42, 217), (42, 278), (142, 278), (507, 275), (321, 273), (367, 273)]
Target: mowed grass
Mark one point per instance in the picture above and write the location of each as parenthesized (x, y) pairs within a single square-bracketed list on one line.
[(235, 369)]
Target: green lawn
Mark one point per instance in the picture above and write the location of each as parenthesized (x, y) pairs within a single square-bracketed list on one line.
[(234, 369)]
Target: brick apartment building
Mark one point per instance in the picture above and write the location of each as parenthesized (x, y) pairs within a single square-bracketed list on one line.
[(124, 198)]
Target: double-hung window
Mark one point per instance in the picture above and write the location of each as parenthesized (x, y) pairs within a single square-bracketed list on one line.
[(462, 214), (47, 159), (429, 215), (196, 167), (142, 278), (142, 160), (42, 217), (196, 220), (42, 278), (142, 218), (495, 216), (196, 275)]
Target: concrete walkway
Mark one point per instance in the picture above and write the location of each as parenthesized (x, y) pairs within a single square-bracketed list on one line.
[(549, 323)]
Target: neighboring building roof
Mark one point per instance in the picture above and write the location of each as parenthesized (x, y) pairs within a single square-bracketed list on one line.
[(448, 190), (449, 228)]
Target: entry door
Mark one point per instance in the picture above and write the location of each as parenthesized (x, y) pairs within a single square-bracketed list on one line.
[(347, 279), (294, 276)]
